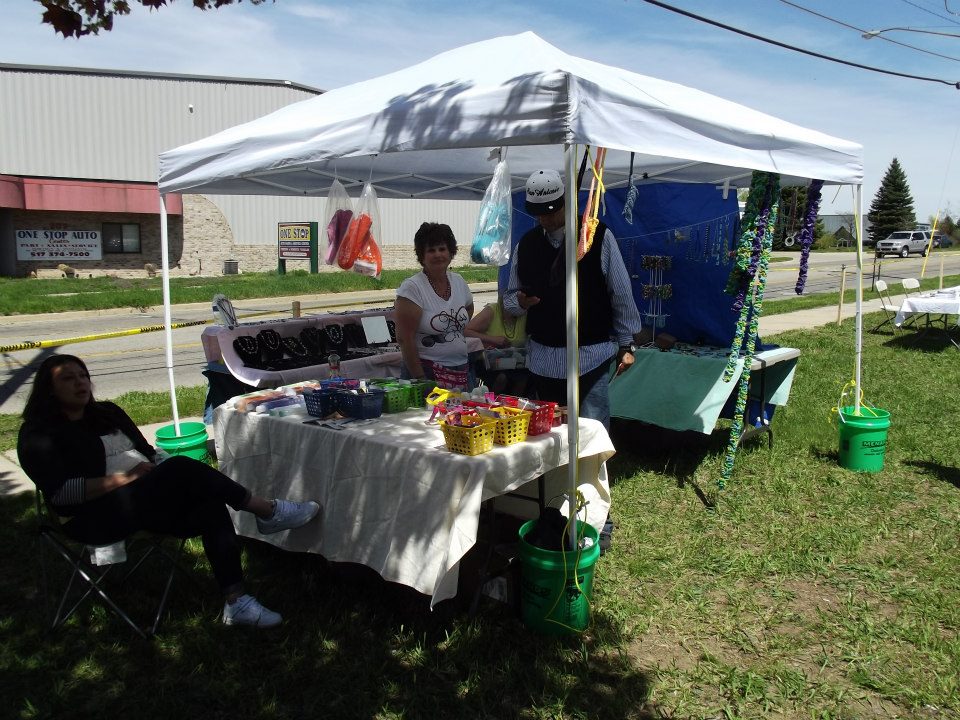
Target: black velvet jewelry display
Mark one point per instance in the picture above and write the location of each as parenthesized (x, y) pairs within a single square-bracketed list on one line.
[(333, 339), (270, 344), (248, 348), (392, 328), (293, 347), (312, 340), (354, 336)]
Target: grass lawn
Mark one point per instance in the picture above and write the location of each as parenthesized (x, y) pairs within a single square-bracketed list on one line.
[(809, 592)]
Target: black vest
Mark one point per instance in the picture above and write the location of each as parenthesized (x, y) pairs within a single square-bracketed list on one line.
[(541, 269)]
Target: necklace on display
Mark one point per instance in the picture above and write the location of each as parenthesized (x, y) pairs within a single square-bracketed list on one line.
[(270, 339), (246, 347), (445, 293), (294, 347), (334, 333)]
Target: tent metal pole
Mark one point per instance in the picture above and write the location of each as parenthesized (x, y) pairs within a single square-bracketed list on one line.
[(858, 205), (573, 344), (168, 332)]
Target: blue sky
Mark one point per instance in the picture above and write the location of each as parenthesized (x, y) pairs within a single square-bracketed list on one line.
[(329, 44)]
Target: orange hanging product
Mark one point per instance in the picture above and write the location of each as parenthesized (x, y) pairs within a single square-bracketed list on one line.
[(353, 241), (370, 261), (588, 225)]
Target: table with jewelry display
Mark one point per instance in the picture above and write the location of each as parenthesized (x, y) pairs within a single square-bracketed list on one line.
[(684, 389), (394, 498), (279, 352)]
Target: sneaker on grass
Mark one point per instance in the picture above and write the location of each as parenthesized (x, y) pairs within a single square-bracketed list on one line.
[(288, 515), (247, 610)]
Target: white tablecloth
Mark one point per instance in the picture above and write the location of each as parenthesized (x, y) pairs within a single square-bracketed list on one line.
[(941, 302), (394, 498)]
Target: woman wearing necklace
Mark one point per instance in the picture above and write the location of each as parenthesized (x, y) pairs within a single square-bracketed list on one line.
[(432, 311)]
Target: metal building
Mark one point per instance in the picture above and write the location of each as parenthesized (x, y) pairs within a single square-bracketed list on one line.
[(78, 169)]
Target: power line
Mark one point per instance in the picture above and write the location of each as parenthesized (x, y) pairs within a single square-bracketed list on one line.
[(862, 31), (928, 10), (811, 53)]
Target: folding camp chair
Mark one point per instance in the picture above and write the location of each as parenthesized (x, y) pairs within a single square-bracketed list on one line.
[(889, 309), (88, 579)]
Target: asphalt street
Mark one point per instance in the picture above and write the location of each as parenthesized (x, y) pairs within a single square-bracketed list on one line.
[(137, 362)]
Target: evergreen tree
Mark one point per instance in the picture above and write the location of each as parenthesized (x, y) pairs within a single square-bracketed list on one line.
[(892, 206)]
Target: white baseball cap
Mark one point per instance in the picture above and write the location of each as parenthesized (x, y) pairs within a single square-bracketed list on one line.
[(544, 192)]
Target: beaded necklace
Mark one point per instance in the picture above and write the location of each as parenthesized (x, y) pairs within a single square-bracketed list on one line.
[(294, 347), (246, 347), (445, 293), (334, 333)]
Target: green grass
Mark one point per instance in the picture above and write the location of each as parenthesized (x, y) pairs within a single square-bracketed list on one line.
[(25, 296), (805, 302), (810, 591)]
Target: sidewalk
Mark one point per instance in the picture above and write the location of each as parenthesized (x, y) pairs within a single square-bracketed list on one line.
[(13, 480)]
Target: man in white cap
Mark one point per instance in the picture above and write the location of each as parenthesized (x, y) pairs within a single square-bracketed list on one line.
[(537, 288)]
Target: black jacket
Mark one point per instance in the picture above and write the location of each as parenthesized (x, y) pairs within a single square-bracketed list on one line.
[(54, 451)]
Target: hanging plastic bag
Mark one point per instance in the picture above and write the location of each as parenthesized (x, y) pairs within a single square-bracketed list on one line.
[(363, 230), (339, 212), (369, 261), (491, 241)]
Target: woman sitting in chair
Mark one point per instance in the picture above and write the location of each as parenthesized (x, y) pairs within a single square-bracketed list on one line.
[(100, 475)]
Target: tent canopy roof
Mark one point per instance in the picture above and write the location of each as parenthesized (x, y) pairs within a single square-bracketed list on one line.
[(517, 92)]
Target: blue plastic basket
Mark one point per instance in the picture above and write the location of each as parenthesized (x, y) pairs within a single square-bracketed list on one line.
[(320, 403), (362, 405)]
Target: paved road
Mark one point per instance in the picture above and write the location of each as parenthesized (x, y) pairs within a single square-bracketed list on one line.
[(137, 362)]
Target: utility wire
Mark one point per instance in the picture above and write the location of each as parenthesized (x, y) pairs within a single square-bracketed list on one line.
[(811, 53), (862, 31), (931, 12)]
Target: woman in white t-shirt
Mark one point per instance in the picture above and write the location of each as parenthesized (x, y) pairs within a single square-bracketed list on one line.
[(432, 310)]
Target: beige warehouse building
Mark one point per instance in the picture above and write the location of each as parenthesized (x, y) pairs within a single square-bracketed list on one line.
[(78, 170)]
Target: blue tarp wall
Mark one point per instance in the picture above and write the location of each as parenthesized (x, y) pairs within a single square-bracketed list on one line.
[(692, 224)]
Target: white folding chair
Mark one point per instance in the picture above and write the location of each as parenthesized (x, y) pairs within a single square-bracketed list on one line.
[(889, 309), (910, 286)]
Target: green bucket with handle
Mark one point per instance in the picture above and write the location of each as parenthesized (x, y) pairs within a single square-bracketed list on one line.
[(863, 438), (556, 585), (192, 440)]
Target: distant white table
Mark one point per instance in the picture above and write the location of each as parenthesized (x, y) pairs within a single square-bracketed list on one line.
[(394, 498), (942, 303)]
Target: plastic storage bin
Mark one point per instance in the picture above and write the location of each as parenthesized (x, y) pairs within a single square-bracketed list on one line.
[(361, 405)]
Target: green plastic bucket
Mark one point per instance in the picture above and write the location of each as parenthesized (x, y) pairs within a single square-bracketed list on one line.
[(863, 438), (550, 602), (191, 442)]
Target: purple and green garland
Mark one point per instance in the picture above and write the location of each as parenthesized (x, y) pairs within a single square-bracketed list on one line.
[(806, 233), (747, 281)]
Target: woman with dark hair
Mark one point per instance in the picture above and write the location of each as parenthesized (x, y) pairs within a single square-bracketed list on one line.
[(105, 481), (432, 310)]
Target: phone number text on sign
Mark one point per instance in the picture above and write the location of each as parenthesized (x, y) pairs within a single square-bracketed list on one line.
[(59, 245)]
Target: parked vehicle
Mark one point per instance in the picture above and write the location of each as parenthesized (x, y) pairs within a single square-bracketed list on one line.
[(904, 242)]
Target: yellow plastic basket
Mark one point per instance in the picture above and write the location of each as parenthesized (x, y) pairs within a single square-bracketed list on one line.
[(472, 440), (512, 426)]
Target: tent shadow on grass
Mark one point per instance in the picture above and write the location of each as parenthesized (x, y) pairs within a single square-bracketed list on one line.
[(351, 644)]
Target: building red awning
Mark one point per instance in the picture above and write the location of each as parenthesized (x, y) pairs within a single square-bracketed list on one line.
[(83, 196)]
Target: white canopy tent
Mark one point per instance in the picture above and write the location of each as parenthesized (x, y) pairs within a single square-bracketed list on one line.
[(431, 131)]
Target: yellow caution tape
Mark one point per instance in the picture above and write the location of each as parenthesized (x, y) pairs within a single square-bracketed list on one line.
[(37, 344)]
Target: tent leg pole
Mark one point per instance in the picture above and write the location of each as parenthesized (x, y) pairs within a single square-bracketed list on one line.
[(858, 209), (168, 332), (573, 344)]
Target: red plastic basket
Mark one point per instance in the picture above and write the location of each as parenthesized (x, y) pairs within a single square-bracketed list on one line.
[(541, 417)]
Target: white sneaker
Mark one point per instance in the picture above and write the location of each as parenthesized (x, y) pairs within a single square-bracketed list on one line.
[(247, 610), (288, 515)]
